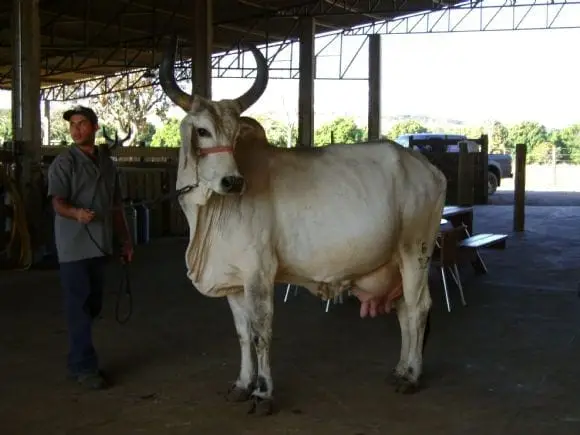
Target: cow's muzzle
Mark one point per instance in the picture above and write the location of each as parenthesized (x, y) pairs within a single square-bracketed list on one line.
[(232, 184)]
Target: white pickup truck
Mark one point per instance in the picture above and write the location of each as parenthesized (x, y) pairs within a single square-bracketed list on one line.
[(499, 165)]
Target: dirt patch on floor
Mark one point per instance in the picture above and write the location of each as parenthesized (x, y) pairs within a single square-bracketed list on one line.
[(507, 364)]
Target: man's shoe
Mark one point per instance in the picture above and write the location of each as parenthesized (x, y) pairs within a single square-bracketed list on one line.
[(90, 380)]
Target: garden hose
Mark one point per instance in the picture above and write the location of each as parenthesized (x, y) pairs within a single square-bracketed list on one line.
[(19, 229)]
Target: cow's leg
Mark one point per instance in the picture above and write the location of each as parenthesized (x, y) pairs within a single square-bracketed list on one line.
[(402, 366), (260, 300), (413, 312), (244, 385)]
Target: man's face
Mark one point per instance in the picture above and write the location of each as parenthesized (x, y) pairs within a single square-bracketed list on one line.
[(82, 130)]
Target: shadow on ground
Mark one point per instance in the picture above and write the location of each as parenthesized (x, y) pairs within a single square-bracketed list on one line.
[(506, 364)]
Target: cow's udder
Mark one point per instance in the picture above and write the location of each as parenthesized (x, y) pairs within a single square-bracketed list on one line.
[(374, 304)]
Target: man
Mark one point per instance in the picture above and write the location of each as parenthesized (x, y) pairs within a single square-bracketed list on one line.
[(85, 192)]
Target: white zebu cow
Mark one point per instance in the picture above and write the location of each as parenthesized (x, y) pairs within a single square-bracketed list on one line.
[(324, 218)]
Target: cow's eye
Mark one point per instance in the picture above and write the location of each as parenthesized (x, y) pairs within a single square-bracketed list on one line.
[(202, 132)]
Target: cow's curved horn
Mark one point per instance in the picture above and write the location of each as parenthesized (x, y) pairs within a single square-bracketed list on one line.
[(126, 138), (167, 78), (109, 141), (255, 92)]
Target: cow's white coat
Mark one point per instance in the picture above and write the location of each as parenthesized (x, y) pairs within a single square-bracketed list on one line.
[(325, 218)]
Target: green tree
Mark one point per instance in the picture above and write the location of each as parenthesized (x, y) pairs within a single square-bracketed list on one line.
[(59, 129), (542, 153), (278, 133), (474, 131), (168, 135), (341, 130), (499, 137), (129, 109), (567, 141), (146, 135), (406, 127), (5, 125), (530, 133)]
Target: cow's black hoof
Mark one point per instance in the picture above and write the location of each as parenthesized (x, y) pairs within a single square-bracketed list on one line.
[(405, 386), (395, 378), (238, 394), (261, 407)]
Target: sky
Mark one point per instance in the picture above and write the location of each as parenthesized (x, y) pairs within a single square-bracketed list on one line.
[(509, 76)]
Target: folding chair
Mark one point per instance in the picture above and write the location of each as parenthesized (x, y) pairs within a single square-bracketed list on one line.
[(337, 299), (447, 256)]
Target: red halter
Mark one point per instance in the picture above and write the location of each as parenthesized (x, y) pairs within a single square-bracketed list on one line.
[(214, 150)]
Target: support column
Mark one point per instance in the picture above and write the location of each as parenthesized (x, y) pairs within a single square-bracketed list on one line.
[(202, 43), (306, 83), (374, 115), (46, 123), (26, 124)]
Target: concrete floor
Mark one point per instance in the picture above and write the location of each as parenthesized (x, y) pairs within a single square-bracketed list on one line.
[(506, 364)]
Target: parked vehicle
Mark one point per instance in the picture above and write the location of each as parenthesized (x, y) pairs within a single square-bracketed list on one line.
[(499, 165)]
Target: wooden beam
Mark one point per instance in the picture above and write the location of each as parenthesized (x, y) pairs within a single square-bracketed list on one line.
[(520, 189)]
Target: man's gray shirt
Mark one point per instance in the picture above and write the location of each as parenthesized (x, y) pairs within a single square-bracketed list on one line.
[(83, 183)]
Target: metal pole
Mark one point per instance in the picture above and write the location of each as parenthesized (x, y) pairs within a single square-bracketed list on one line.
[(26, 120), (17, 41)]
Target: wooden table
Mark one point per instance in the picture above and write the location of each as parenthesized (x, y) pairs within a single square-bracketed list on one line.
[(464, 215), (459, 215)]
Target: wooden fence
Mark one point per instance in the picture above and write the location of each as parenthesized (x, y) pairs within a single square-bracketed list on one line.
[(150, 183), (466, 172), (146, 174), (149, 173)]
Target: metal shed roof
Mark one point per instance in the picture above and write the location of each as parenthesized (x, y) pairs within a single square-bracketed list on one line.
[(81, 39)]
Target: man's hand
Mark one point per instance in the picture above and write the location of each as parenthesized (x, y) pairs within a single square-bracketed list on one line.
[(127, 252), (84, 215)]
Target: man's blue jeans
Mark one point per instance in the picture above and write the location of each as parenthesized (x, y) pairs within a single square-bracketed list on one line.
[(82, 283)]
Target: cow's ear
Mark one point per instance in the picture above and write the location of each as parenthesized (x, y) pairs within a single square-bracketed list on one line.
[(196, 102), (186, 136)]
